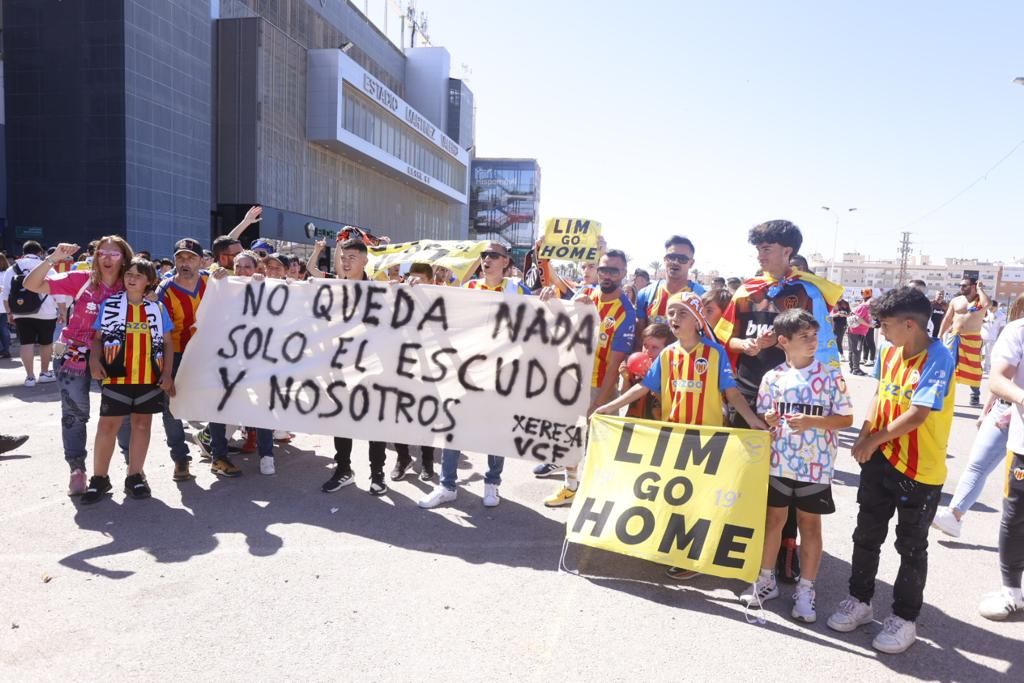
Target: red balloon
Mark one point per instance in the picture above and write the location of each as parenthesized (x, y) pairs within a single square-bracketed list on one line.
[(638, 363)]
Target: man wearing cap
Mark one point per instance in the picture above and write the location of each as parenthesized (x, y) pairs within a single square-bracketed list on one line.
[(261, 247), (181, 295)]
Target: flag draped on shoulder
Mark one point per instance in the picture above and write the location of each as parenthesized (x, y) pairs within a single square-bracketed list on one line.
[(822, 293)]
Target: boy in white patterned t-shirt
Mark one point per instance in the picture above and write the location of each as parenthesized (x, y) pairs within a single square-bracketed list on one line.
[(804, 402)]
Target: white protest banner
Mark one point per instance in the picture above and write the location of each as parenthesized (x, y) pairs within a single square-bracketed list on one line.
[(571, 239), (435, 366), (459, 257)]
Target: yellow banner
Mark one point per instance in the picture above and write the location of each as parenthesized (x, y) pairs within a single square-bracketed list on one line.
[(680, 495), (571, 239), (459, 257)]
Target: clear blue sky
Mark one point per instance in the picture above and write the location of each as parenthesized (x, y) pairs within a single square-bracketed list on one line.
[(705, 118)]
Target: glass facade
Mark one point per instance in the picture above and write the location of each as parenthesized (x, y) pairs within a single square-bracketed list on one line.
[(505, 201), (374, 124), (299, 177)]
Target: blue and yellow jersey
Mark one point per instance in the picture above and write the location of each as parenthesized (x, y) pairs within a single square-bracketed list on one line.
[(652, 300), (924, 380), (691, 383)]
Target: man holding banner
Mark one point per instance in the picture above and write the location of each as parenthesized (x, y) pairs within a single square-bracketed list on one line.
[(617, 320), (494, 261), (350, 261)]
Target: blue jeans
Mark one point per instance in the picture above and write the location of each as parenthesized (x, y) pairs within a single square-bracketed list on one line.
[(450, 467), (5, 334), (219, 441), (173, 427), (74, 415), (988, 451)]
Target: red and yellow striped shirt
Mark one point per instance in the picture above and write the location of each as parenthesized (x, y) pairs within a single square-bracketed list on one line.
[(138, 350), (182, 306), (691, 383), (924, 380)]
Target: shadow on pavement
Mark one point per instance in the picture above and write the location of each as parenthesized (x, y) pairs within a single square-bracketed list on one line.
[(946, 650), (511, 534)]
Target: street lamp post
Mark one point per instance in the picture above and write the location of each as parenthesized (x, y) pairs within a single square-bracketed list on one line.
[(835, 239)]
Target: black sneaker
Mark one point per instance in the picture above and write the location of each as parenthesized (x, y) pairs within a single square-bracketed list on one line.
[(97, 488), (548, 469), (401, 468), (377, 485), (205, 443), (340, 479), (427, 473), (8, 442), (135, 486)]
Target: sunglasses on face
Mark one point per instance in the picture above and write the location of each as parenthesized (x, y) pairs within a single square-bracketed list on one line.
[(678, 258), (110, 253), (492, 255), (608, 270)]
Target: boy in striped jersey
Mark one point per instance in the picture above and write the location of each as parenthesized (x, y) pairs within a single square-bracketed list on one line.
[(691, 375), (128, 356), (902, 452)]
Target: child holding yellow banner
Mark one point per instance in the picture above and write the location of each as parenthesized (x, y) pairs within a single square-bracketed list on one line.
[(805, 402), (690, 378), (691, 375)]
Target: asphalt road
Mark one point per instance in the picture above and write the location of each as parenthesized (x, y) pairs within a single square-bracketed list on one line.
[(268, 578)]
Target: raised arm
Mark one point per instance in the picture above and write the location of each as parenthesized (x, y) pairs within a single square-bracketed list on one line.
[(253, 215), (36, 280)]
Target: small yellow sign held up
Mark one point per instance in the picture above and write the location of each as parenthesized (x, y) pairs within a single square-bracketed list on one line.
[(571, 239)]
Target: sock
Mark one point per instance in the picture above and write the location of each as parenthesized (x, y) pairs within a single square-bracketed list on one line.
[(768, 573), (805, 583), (1016, 594), (571, 481)]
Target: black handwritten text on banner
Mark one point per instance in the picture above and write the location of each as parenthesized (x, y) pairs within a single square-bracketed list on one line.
[(681, 495), (479, 371)]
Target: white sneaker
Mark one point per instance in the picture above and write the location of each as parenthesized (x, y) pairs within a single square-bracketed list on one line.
[(762, 590), (851, 614), (896, 636), (267, 465), (803, 605), (946, 522), (999, 606), (46, 378), (491, 498), (30, 382), (439, 496)]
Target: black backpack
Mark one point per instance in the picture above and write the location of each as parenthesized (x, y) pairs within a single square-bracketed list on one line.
[(20, 301)]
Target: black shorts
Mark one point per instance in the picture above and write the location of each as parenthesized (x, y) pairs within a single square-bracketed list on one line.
[(35, 330), (805, 495), (118, 400)]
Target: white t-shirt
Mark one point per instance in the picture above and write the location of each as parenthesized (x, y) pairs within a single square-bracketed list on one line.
[(1010, 348), (48, 311), (818, 390)]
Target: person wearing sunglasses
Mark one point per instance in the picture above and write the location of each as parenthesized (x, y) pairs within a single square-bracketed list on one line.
[(614, 342), (494, 260), (961, 332), (652, 301), (86, 289)]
